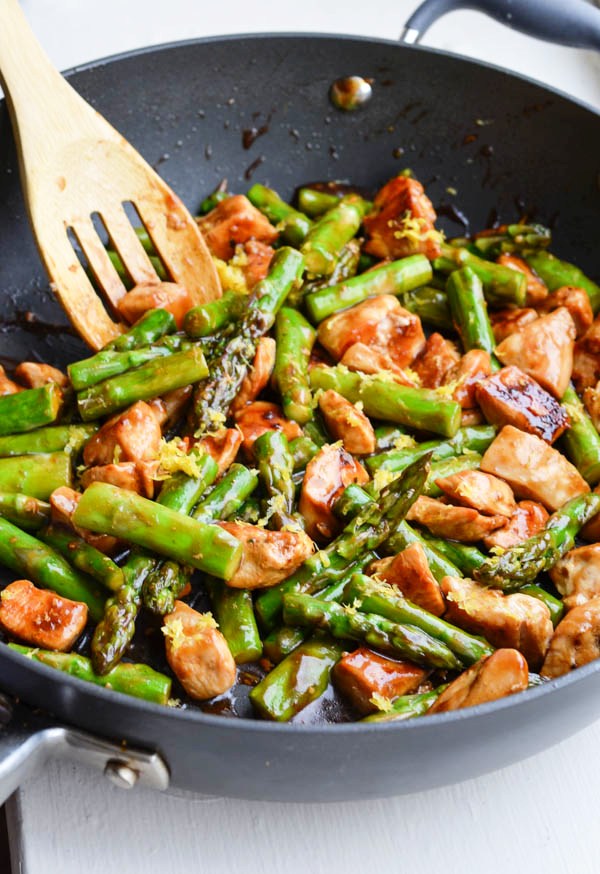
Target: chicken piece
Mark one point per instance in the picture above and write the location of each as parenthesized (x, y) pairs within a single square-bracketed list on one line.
[(510, 397), (576, 640), (63, 503), (586, 367), (347, 423), (402, 221), (7, 386), (591, 399), (502, 673), (40, 617), (537, 290), (379, 323), (474, 366), (368, 359), (32, 374), (483, 492), (268, 557), (468, 418), (528, 519), (258, 376), (577, 301), (198, 653), (135, 477), (533, 469), (544, 350), (255, 262), (363, 674), (222, 446), (516, 621), (133, 435), (455, 523), (151, 295), (234, 220), (506, 322), (409, 572), (171, 406), (577, 575), (591, 338), (326, 477), (261, 416), (437, 361)]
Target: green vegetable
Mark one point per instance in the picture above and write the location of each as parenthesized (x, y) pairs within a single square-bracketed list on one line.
[(295, 339), (30, 409)]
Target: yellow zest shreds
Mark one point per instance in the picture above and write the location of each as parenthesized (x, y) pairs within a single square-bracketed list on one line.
[(383, 478), (232, 278), (117, 453), (359, 406), (451, 190), (172, 458), (275, 504), (446, 391), (174, 631), (383, 704), (405, 441), (323, 558), (576, 413), (32, 653), (77, 437), (349, 609), (497, 550), (412, 375), (5, 595), (414, 229), (240, 257), (174, 702)]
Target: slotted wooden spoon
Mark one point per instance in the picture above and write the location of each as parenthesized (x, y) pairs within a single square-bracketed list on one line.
[(75, 166)]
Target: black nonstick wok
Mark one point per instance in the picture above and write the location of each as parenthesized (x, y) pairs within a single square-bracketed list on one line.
[(257, 107)]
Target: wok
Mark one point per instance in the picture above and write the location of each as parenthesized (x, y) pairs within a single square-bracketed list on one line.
[(257, 107)]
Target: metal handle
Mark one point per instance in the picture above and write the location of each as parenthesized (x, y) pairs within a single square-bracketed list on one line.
[(28, 739), (568, 22)]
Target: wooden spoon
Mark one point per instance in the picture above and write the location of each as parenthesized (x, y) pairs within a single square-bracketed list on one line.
[(76, 166)]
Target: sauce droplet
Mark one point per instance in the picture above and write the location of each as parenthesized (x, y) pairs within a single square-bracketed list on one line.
[(350, 93)]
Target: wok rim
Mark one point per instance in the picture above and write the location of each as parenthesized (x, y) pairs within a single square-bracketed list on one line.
[(196, 716)]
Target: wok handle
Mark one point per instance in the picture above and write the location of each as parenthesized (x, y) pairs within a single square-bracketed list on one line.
[(28, 739), (568, 22)]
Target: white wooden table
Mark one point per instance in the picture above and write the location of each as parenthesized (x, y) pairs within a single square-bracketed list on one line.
[(540, 815)]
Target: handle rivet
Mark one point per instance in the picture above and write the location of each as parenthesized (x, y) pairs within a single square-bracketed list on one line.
[(121, 774)]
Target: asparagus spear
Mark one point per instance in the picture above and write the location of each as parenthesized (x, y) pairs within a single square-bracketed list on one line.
[(430, 304), (556, 273), (295, 339), (141, 681), (466, 557), (554, 605), (30, 409), (275, 467), (215, 198), (182, 492), (148, 381), (514, 239), (303, 449), (387, 436), (362, 534), (228, 495), (214, 396), (35, 475), (466, 440), (108, 509), (502, 286), (330, 233), (395, 278), (24, 511), (469, 310), (147, 330), (83, 556), (294, 225), (370, 596), (352, 501), (298, 680), (439, 565), (209, 317), (41, 564), (54, 438), (164, 583), (407, 707), (448, 466), (123, 274), (108, 363), (581, 442), (403, 641), (345, 268), (314, 202), (522, 563), (382, 398), (234, 612)]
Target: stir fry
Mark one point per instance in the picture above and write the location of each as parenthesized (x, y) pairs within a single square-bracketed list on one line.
[(371, 466)]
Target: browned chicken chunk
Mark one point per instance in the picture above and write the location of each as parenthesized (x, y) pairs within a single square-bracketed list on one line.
[(591, 339), (506, 322), (577, 575), (437, 361), (63, 503), (135, 477), (370, 359), (455, 523), (326, 477), (517, 621), (151, 295), (41, 618), (402, 221), (223, 446), (32, 374), (133, 435), (533, 469), (544, 350), (502, 673), (347, 423), (268, 557), (536, 289), (510, 397), (467, 374), (379, 322), (576, 640), (198, 653), (258, 376), (409, 572), (256, 260), (363, 674), (234, 221), (528, 519), (171, 406), (7, 386), (577, 301), (261, 416), (586, 367), (468, 418), (483, 492)]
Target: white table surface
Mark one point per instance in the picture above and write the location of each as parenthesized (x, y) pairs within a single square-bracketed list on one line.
[(540, 815)]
